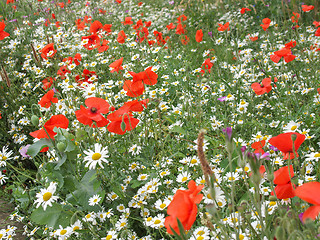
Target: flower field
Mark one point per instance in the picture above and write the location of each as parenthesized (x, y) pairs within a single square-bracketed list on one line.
[(127, 119)]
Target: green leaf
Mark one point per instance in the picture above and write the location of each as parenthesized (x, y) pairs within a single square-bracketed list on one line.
[(88, 186), (81, 135), (48, 217), (61, 161), (35, 148), (136, 183), (178, 129)]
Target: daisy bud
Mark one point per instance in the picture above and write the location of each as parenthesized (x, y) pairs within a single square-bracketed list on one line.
[(35, 120)]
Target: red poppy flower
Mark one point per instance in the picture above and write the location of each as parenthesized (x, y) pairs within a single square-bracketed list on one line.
[(183, 207), (92, 115), (185, 40), (224, 27), (262, 88), (116, 65), (307, 8), (171, 26), (63, 70), (285, 53), (3, 34), (95, 26), (265, 23), (243, 10), (121, 121), (207, 65), (135, 105), (180, 29), (48, 51), (47, 99), (80, 24), (310, 192), (47, 83), (317, 33), (199, 35), (284, 143), (92, 41), (182, 18), (107, 28), (76, 59), (282, 179), (127, 21), (59, 121), (121, 37), (135, 87), (253, 38), (257, 146), (159, 38), (104, 46), (295, 17), (316, 24)]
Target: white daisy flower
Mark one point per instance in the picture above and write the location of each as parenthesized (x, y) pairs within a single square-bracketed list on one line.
[(95, 157), (45, 196), (94, 200)]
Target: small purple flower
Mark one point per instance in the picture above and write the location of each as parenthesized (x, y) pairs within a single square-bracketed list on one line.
[(300, 216), (23, 151), (210, 34), (126, 11), (265, 156), (273, 148), (171, 2), (243, 149), (228, 131), (13, 20), (222, 99)]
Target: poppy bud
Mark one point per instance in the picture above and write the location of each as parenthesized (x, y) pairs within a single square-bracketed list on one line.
[(272, 198), (123, 126), (270, 177), (293, 137), (280, 233), (61, 146), (35, 120)]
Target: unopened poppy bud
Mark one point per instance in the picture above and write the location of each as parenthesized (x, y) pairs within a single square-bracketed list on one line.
[(273, 198), (270, 177), (295, 180), (35, 120), (293, 137), (256, 178), (123, 126), (61, 146), (204, 80), (280, 233)]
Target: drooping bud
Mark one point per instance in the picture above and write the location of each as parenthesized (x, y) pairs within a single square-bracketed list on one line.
[(35, 120)]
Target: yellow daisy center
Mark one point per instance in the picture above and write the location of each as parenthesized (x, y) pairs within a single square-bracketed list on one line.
[(108, 237), (162, 205), (76, 228), (293, 128), (47, 196), (63, 232), (96, 156), (184, 179), (317, 155), (193, 161), (157, 221)]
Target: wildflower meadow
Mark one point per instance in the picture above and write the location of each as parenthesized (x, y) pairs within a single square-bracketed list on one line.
[(159, 119)]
